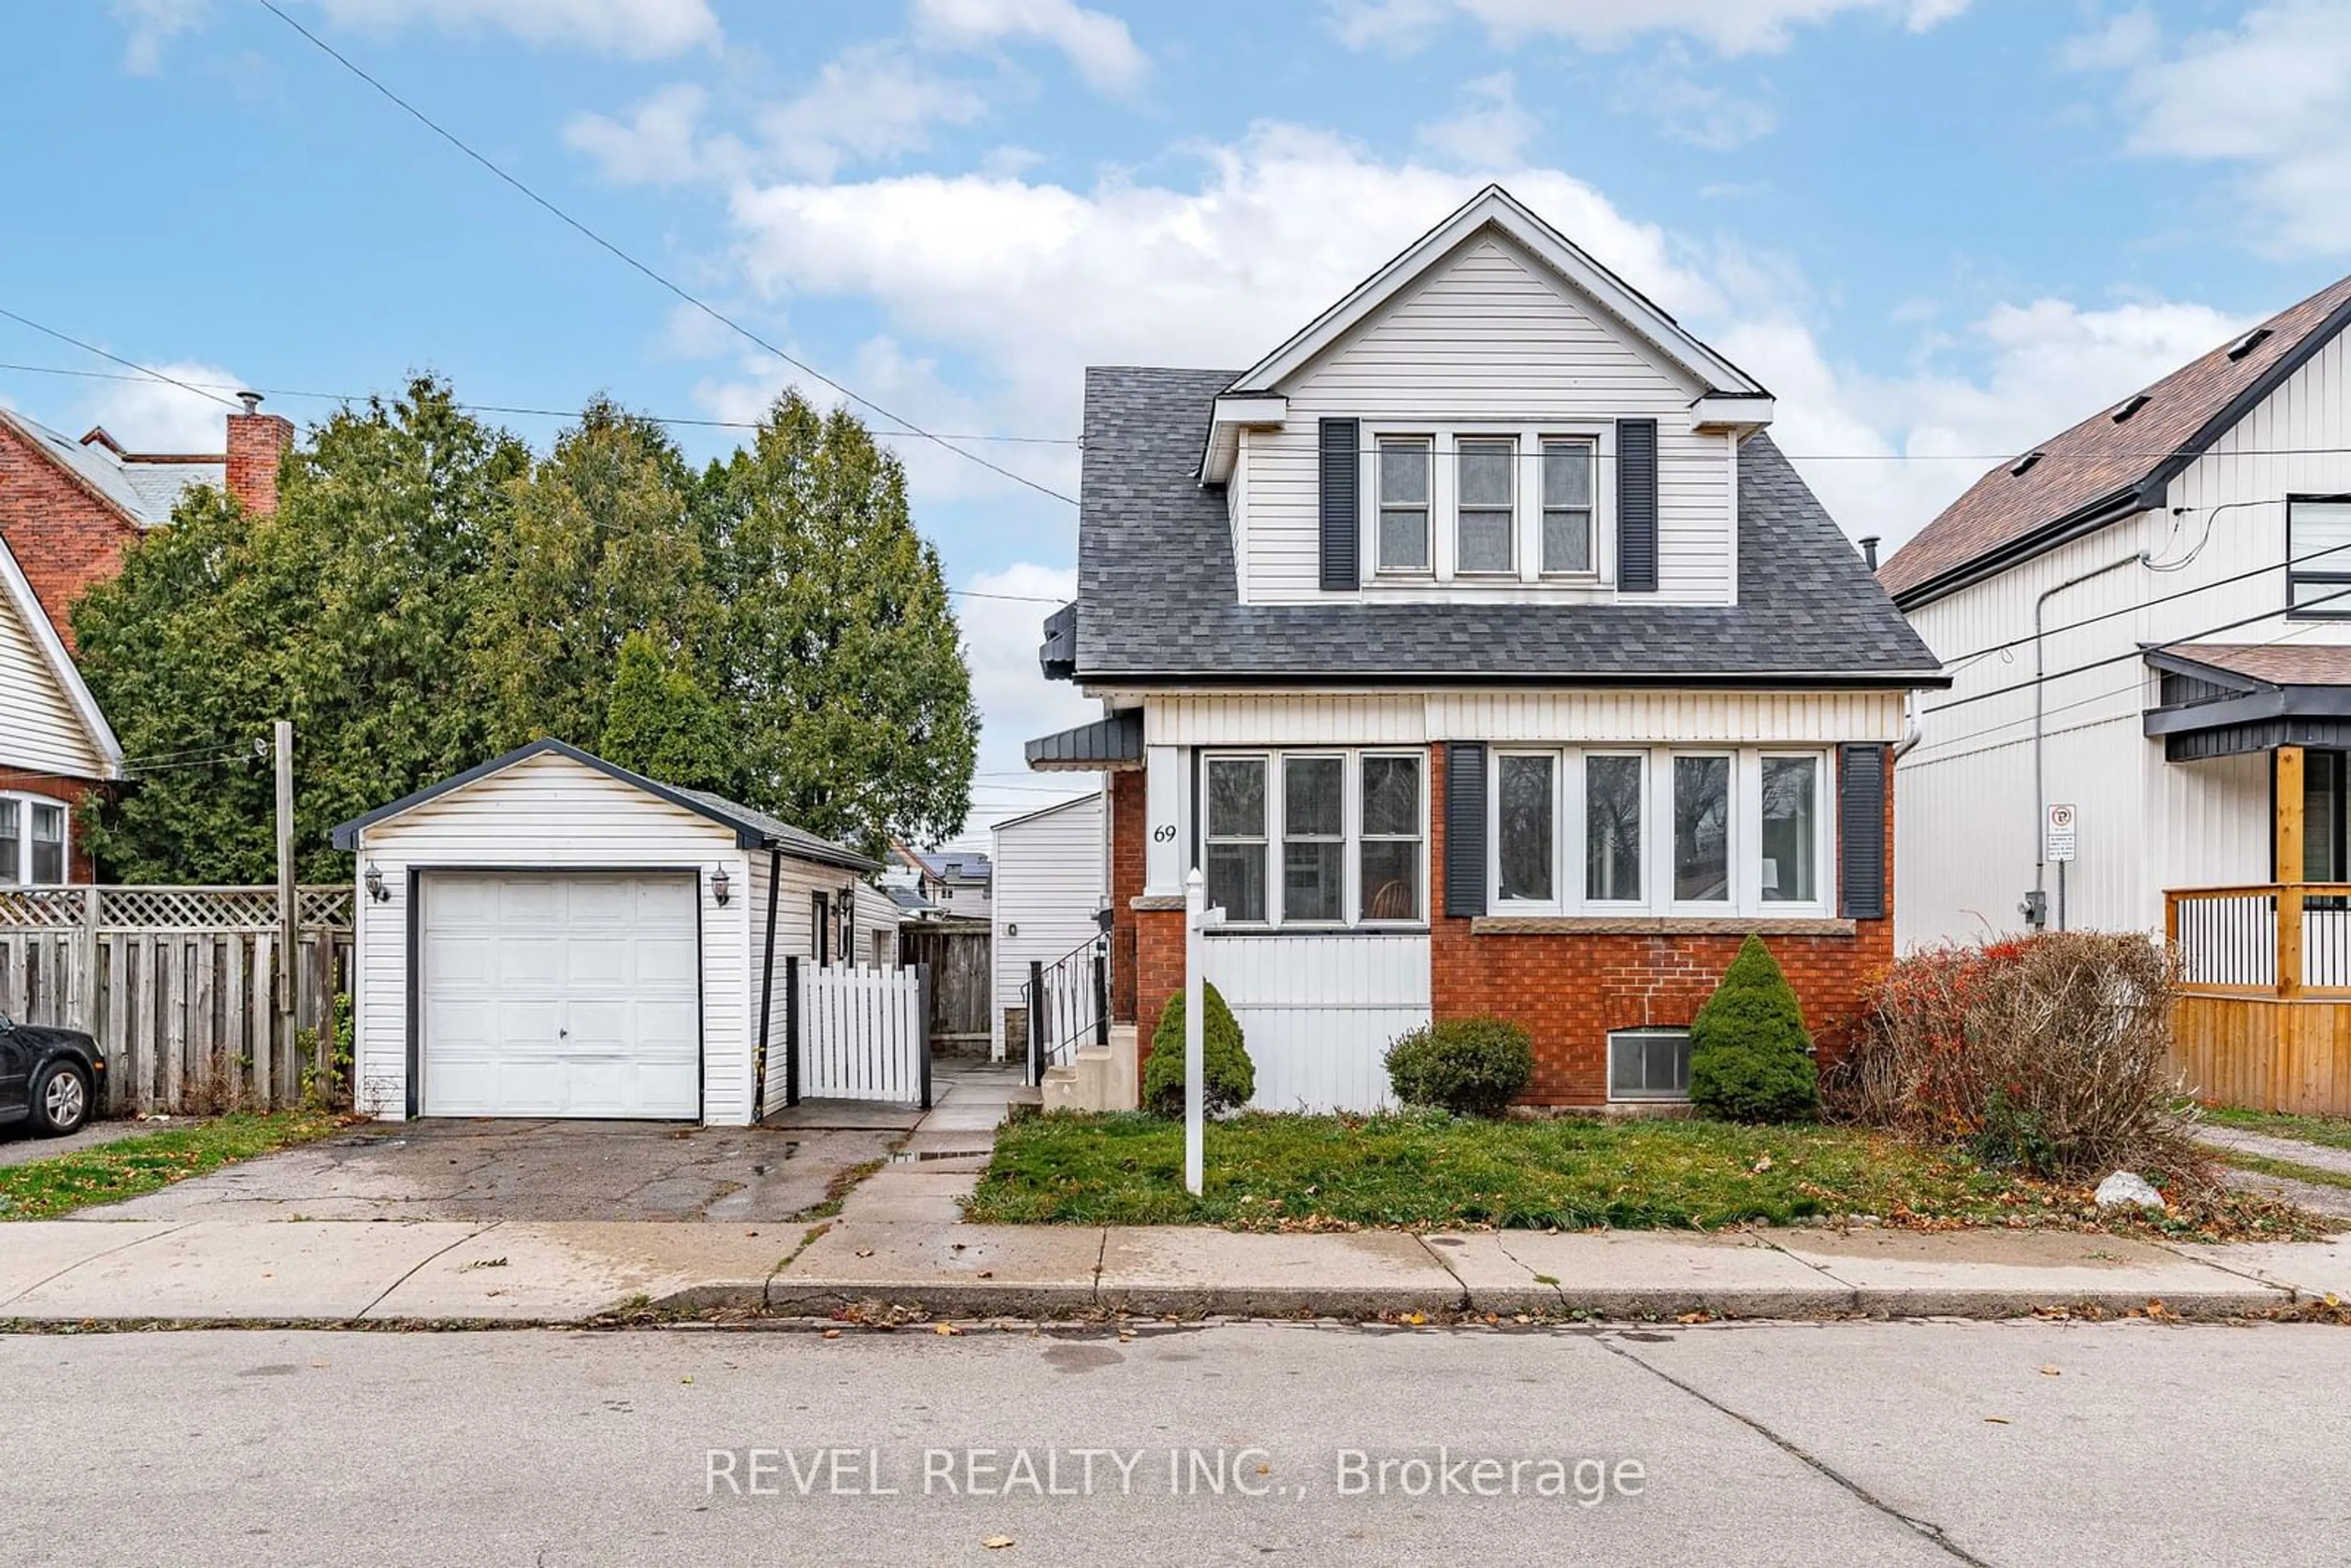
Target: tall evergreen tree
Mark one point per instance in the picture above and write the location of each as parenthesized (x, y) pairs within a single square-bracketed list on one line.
[(602, 544), (836, 654), (347, 612), (660, 722)]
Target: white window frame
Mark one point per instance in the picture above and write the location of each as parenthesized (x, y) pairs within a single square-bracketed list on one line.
[(1744, 830), (1377, 446), (1357, 837), (1515, 456), (1351, 776), (1526, 500), (21, 873), (1590, 572), (1270, 829), (1644, 1032), (1278, 898)]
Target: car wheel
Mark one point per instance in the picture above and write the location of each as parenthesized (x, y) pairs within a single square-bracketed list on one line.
[(60, 1098)]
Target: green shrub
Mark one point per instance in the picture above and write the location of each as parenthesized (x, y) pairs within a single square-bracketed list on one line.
[(1471, 1067), (1227, 1077), (1750, 1059)]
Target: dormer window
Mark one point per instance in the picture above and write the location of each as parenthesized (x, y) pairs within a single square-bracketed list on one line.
[(1566, 506), (1486, 508), (1403, 503)]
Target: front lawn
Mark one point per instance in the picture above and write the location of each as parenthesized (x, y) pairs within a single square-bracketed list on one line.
[(1309, 1173), (107, 1173)]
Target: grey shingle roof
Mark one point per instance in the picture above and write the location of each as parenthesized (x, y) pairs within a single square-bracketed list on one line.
[(1156, 599)]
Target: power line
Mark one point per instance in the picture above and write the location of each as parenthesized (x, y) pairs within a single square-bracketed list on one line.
[(608, 246), (512, 408), (118, 359)]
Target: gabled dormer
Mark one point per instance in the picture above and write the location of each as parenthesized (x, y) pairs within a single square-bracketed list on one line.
[(1493, 415)]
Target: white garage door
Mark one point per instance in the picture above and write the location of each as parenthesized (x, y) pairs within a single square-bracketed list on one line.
[(561, 995)]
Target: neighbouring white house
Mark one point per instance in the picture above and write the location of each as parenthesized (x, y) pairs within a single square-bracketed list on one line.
[(954, 883), (1485, 655), (1052, 883), (2147, 621), (550, 934), (56, 749)]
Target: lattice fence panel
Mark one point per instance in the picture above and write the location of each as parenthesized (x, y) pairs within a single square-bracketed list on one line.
[(43, 908)]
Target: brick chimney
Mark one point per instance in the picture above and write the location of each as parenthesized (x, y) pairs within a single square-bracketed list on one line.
[(257, 443)]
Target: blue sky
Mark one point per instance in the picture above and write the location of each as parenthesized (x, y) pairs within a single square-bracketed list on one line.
[(1937, 229)]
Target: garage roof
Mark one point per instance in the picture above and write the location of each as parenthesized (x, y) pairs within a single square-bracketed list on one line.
[(753, 829)]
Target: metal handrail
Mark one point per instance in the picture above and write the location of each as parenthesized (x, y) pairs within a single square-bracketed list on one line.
[(1065, 1002)]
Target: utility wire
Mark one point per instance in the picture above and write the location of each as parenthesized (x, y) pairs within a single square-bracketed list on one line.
[(624, 256), (118, 359)]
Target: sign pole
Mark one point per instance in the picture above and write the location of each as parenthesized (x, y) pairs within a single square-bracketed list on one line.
[(1196, 915)]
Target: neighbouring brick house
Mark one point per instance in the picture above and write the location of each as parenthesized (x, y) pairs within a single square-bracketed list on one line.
[(68, 510), (1486, 657)]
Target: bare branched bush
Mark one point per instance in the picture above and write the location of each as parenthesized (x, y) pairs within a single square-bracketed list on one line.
[(2049, 1053)]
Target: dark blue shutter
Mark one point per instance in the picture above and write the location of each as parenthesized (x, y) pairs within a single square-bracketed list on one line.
[(1343, 551), (1636, 505), (1465, 828), (1860, 831)]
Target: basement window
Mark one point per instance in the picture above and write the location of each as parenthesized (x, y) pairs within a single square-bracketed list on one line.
[(1648, 1064)]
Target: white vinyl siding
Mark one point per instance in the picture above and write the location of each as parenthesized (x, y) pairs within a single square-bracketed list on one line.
[(39, 729), (1526, 714), (1317, 1011), (2145, 823), (1490, 336), (552, 813), (1051, 878)]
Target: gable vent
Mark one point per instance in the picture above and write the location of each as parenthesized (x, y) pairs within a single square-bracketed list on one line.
[(2129, 406), (2023, 465), (2249, 342)]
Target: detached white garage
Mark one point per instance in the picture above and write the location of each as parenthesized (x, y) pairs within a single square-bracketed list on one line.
[(549, 935)]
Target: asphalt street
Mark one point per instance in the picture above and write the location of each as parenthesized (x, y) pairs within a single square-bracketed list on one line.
[(1928, 1443)]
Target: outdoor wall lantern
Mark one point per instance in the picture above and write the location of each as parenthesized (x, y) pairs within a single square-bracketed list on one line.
[(719, 886), (375, 883)]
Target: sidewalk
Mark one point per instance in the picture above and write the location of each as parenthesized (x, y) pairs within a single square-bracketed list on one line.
[(338, 1271)]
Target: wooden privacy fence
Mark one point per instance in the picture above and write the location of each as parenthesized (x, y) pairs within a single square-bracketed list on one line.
[(175, 983), (958, 952), (852, 1034)]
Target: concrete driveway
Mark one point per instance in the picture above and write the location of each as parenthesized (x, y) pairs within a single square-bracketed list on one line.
[(550, 1170)]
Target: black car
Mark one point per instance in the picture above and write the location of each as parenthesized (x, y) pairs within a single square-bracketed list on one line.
[(48, 1074)]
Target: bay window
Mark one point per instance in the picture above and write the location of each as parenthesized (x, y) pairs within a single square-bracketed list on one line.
[(1349, 829), (32, 842), (1657, 831)]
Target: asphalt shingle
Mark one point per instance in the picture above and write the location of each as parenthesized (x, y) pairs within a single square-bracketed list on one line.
[(1157, 600)]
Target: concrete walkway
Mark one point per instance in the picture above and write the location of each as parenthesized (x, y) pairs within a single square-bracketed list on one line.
[(931, 1174), (2235, 1140), (331, 1272)]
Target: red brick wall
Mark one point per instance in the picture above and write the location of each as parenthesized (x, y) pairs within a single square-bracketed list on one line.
[(63, 537), (1570, 990), (1126, 849), (80, 794)]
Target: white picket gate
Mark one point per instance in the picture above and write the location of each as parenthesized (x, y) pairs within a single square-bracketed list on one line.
[(852, 1034)]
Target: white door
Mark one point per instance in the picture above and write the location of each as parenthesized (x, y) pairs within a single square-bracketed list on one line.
[(561, 994)]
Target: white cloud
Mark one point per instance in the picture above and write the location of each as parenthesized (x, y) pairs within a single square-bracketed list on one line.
[(1096, 44), (1490, 132), (154, 416), (2273, 95), (642, 29), (1688, 110), (659, 143), (2048, 365), (2126, 40), (1744, 27), (152, 24)]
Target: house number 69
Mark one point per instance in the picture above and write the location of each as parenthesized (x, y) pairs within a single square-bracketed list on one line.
[(1163, 833)]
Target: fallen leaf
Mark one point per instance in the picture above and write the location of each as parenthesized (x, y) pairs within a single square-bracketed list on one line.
[(945, 1329), (865, 1252), (985, 1274), (996, 1543), (1997, 1420), (685, 1380), (2049, 1372), (1762, 1165), (833, 1333)]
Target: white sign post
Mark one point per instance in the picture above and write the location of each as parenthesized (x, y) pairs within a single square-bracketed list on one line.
[(2057, 834), (1197, 919)]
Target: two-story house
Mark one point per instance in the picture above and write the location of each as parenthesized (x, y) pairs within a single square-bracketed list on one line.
[(2147, 623), (1486, 657)]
